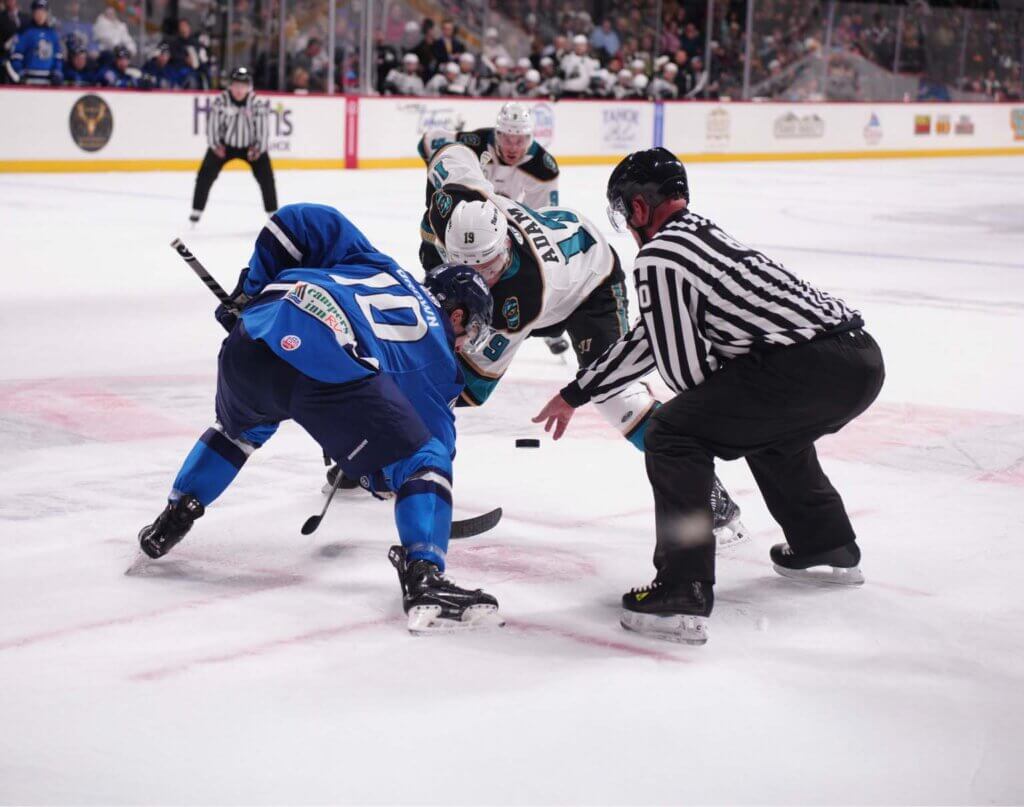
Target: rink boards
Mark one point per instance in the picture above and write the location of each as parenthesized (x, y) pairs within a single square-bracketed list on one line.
[(108, 130)]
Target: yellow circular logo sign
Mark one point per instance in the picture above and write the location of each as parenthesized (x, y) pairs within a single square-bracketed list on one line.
[(91, 123)]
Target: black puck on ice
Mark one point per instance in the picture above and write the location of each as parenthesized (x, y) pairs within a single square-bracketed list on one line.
[(527, 442)]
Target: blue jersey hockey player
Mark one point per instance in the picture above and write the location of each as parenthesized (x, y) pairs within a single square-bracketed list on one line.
[(38, 57), (336, 336)]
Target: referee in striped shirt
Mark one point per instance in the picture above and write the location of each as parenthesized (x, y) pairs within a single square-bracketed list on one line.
[(762, 364), (237, 129)]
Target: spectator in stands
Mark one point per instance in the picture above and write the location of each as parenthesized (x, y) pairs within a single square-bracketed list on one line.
[(442, 81), (605, 40), (465, 82), (670, 41), (500, 83), (388, 58), (38, 57), (299, 81), (188, 51), (11, 20), (426, 50), (161, 73), (699, 77), (690, 41), (549, 79), (623, 87), (531, 86), (448, 46), (664, 88), (79, 70), (314, 60), (493, 48), (119, 73), (577, 69), (406, 81), (73, 29), (111, 32)]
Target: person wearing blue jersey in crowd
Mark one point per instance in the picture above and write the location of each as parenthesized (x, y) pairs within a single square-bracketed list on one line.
[(160, 73), (79, 72), (117, 74), (325, 330), (38, 58)]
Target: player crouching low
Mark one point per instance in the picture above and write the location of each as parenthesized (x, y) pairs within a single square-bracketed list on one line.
[(363, 358), (549, 271)]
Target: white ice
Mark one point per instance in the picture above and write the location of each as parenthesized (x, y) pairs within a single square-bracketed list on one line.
[(258, 666)]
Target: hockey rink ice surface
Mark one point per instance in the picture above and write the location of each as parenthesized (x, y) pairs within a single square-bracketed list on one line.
[(257, 666)]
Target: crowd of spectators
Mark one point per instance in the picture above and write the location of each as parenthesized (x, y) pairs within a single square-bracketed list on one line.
[(537, 49), (41, 49)]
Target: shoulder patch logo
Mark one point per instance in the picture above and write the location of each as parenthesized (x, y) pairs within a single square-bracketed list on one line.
[(470, 139), (549, 162), (443, 202), (510, 311), (290, 342)]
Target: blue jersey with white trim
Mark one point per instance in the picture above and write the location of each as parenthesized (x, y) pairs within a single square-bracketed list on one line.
[(328, 303)]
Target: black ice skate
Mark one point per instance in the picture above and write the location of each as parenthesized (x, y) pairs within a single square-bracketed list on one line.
[(729, 530), (833, 566), (157, 539), (676, 612), (435, 604)]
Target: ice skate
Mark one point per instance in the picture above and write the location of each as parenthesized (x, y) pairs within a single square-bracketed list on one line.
[(832, 567), (675, 612), (158, 538), (729, 530), (556, 344), (435, 604)]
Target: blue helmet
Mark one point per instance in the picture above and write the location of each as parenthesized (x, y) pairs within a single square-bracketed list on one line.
[(457, 287)]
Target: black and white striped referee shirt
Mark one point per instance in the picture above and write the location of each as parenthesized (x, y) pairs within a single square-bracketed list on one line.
[(238, 125), (705, 299)]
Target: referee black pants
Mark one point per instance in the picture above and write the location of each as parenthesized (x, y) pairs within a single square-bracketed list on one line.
[(212, 165), (768, 407)]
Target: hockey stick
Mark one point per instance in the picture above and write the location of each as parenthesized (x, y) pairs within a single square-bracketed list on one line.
[(211, 283), (468, 527), (314, 521)]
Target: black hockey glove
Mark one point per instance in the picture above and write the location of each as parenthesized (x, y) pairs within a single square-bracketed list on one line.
[(227, 313)]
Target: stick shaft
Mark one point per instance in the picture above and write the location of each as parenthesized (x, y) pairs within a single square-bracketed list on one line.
[(194, 264)]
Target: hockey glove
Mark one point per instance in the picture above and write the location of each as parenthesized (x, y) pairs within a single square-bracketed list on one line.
[(227, 313)]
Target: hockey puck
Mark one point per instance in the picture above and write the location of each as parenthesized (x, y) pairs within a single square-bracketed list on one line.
[(527, 442)]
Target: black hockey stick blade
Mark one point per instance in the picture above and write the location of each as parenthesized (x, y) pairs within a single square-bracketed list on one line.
[(311, 524), (468, 527)]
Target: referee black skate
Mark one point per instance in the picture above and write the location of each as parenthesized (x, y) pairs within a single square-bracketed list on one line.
[(763, 365), (237, 129)]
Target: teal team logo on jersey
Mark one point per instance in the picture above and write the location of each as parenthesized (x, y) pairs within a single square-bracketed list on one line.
[(549, 163), (510, 311), (470, 139), (443, 203)]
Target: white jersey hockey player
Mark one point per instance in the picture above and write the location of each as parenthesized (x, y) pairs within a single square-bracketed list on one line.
[(548, 270), (512, 161)]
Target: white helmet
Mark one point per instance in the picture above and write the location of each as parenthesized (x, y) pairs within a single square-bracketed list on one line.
[(477, 232), (532, 76), (640, 82), (515, 118)]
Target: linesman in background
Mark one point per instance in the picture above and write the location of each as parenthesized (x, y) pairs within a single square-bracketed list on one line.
[(762, 363), (238, 128)]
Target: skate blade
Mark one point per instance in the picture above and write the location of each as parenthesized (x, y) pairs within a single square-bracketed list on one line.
[(823, 575), (682, 628), (425, 620), (731, 534)]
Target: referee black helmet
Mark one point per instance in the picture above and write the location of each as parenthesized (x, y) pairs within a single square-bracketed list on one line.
[(656, 175), (241, 74)]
